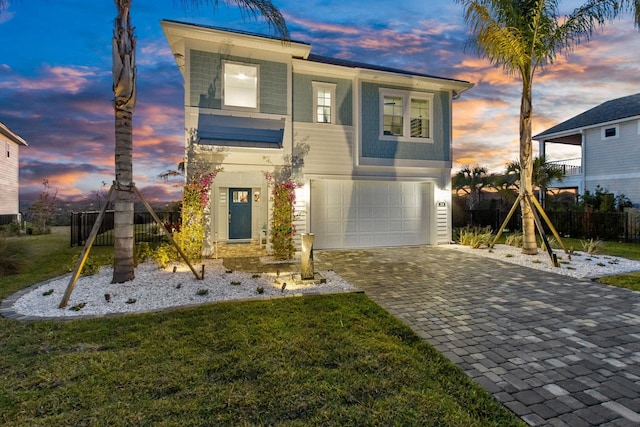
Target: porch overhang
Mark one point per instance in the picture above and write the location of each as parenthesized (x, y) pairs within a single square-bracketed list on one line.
[(234, 131)]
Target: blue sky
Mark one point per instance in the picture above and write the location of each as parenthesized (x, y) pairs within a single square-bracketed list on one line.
[(55, 80)]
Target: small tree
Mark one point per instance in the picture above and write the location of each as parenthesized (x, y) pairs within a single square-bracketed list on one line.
[(44, 208)]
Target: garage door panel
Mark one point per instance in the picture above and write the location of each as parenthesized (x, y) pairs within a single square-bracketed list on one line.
[(368, 213)]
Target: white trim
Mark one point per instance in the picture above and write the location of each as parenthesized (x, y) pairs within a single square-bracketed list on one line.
[(407, 97), (410, 163), (599, 178), (331, 88), (604, 129)]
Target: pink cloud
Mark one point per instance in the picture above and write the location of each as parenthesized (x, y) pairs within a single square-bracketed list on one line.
[(311, 25), (59, 79)]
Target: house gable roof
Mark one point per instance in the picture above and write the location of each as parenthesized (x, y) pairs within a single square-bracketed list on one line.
[(4, 130), (176, 31), (610, 111)]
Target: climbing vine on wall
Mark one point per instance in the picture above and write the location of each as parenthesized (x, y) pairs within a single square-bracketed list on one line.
[(282, 227), (194, 201)]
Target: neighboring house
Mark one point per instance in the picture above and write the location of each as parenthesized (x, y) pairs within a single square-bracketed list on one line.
[(10, 143), (371, 145), (609, 138)]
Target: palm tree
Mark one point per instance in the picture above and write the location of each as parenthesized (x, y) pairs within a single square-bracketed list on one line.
[(543, 172), (471, 180), (524, 36)]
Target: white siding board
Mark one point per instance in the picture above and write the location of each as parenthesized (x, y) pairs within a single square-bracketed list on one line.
[(9, 178), (330, 148)]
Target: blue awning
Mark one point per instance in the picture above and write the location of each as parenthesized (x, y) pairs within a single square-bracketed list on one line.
[(240, 131)]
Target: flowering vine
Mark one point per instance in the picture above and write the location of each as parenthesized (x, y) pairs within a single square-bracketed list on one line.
[(282, 227), (194, 202)]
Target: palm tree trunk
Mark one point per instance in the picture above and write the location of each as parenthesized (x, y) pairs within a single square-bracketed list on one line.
[(529, 244), (124, 89)]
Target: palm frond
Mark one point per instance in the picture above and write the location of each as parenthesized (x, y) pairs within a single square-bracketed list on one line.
[(253, 8)]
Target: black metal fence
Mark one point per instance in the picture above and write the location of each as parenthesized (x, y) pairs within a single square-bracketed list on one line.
[(613, 226), (485, 218), (145, 227), (8, 219)]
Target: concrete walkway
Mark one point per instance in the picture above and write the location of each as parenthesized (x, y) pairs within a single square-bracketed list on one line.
[(555, 350)]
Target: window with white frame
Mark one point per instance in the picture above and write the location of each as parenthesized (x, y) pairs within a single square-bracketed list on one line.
[(405, 116), (610, 132), (324, 95), (240, 85)]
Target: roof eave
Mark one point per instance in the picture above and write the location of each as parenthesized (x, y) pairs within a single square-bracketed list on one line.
[(12, 135), (581, 129)]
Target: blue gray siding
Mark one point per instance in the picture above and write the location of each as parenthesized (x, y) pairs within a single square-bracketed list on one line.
[(206, 82), (372, 146), (303, 98)]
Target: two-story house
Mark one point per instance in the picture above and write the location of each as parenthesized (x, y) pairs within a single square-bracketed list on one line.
[(609, 139), (9, 172), (370, 145)]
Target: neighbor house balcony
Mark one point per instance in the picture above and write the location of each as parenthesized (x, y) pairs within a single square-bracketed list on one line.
[(571, 171)]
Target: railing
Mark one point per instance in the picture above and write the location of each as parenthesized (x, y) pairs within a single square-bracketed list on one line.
[(8, 219), (145, 228), (569, 167)]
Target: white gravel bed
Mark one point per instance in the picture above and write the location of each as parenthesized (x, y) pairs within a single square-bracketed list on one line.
[(155, 289), (581, 265)]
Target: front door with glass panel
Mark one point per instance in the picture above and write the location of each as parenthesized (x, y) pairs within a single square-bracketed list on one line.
[(240, 213)]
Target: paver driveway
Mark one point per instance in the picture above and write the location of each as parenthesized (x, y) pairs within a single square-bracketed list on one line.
[(555, 350)]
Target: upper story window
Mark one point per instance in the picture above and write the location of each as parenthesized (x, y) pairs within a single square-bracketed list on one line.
[(240, 85), (324, 95), (610, 132), (406, 116), (8, 149)]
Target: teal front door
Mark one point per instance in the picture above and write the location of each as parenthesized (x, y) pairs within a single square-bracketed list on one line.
[(240, 213)]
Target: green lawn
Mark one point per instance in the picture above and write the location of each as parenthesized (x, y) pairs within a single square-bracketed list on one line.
[(321, 360)]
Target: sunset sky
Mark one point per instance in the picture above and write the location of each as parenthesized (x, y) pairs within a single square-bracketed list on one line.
[(55, 80)]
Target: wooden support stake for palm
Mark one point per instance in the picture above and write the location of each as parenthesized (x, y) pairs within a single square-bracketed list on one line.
[(94, 233), (169, 235), (534, 205), (85, 251)]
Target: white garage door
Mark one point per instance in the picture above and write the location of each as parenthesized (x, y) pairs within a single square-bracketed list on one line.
[(356, 214)]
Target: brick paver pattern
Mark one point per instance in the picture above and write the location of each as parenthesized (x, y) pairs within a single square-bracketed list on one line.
[(555, 350)]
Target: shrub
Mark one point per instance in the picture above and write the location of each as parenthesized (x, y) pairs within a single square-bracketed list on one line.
[(91, 266), (591, 246), (13, 256), (475, 237), (12, 229), (144, 252), (514, 240), (164, 254)]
